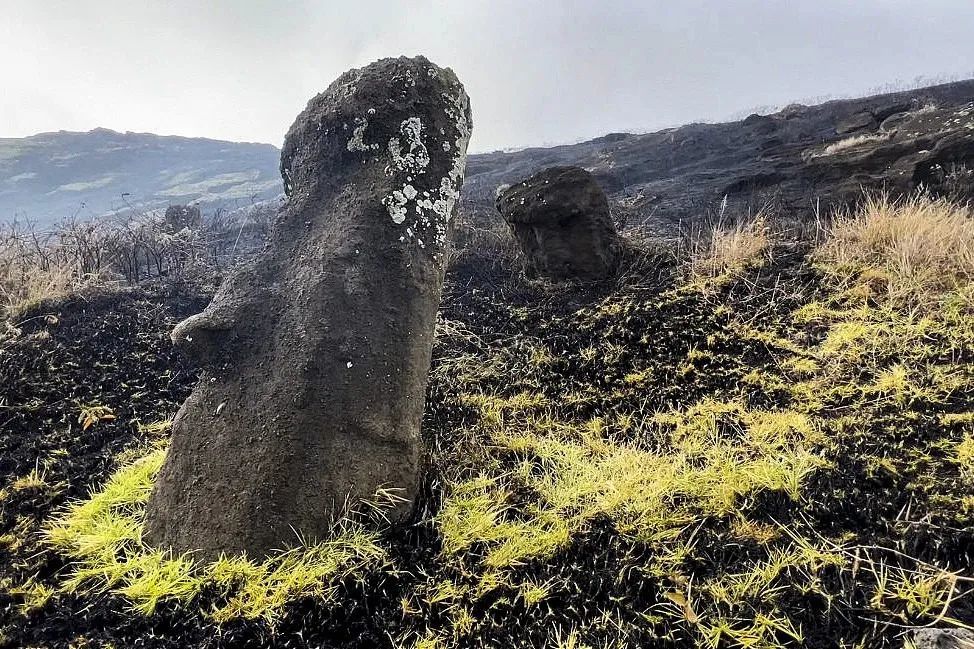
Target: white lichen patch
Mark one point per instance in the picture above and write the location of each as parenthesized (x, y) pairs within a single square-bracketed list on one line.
[(430, 209), (410, 156), (345, 86), (396, 204), (357, 143), (408, 153), (456, 110), (405, 78)]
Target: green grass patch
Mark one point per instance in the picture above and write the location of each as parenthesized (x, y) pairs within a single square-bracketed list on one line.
[(103, 535), (778, 455)]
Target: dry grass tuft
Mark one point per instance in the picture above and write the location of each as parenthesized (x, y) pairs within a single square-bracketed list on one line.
[(729, 250), (851, 143), (473, 243), (917, 250), (23, 285)]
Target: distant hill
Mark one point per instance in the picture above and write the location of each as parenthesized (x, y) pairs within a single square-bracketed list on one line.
[(50, 176), (796, 160)]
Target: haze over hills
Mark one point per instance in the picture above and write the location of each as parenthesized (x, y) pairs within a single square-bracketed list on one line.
[(796, 159), (50, 176)]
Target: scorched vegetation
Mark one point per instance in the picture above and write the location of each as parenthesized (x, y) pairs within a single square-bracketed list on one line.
[(767, 444)]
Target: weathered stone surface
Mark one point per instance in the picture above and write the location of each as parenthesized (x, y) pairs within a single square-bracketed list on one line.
[(927, 147), (560, 218), (316, 353), (943, 639), (856, 122)]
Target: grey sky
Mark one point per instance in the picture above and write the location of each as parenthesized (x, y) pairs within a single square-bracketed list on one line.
[(537, 72)]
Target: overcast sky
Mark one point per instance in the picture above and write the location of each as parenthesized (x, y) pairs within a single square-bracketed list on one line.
[(537, 72)]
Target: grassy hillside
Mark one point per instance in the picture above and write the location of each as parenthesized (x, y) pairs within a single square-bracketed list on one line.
[(742, 440)]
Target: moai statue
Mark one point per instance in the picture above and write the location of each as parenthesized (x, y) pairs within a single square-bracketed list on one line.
[(560, 218), (316, 353)]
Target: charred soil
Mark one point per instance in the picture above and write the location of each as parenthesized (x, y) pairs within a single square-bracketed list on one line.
[(538, 396)]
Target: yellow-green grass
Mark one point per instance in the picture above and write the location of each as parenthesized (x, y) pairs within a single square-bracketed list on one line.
[(658, 477), (531, 476), (650, 494), (965, 456), (901, 305), (704, 463), (103, 535), (32, 595)]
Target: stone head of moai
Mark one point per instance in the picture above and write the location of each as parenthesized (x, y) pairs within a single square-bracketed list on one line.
[(402, 123), (560, 218), (316, 352)]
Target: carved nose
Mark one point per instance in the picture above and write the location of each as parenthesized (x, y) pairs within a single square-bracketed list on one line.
[(203, 337)]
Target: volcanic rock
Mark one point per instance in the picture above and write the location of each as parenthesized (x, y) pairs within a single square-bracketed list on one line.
[(930, 638), (316, 353), (560, 218), (856, 122), (775, 163)]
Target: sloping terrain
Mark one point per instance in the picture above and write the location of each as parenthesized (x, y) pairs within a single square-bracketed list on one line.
[(895, 141), (772, 449), (742, 440)]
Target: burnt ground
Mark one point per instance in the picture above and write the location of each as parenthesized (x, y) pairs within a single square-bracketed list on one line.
[(776, 161), (103, 349), (113, 350)]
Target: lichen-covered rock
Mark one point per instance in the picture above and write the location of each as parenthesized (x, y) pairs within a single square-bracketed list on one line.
[(316, 353), (560, 218)]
